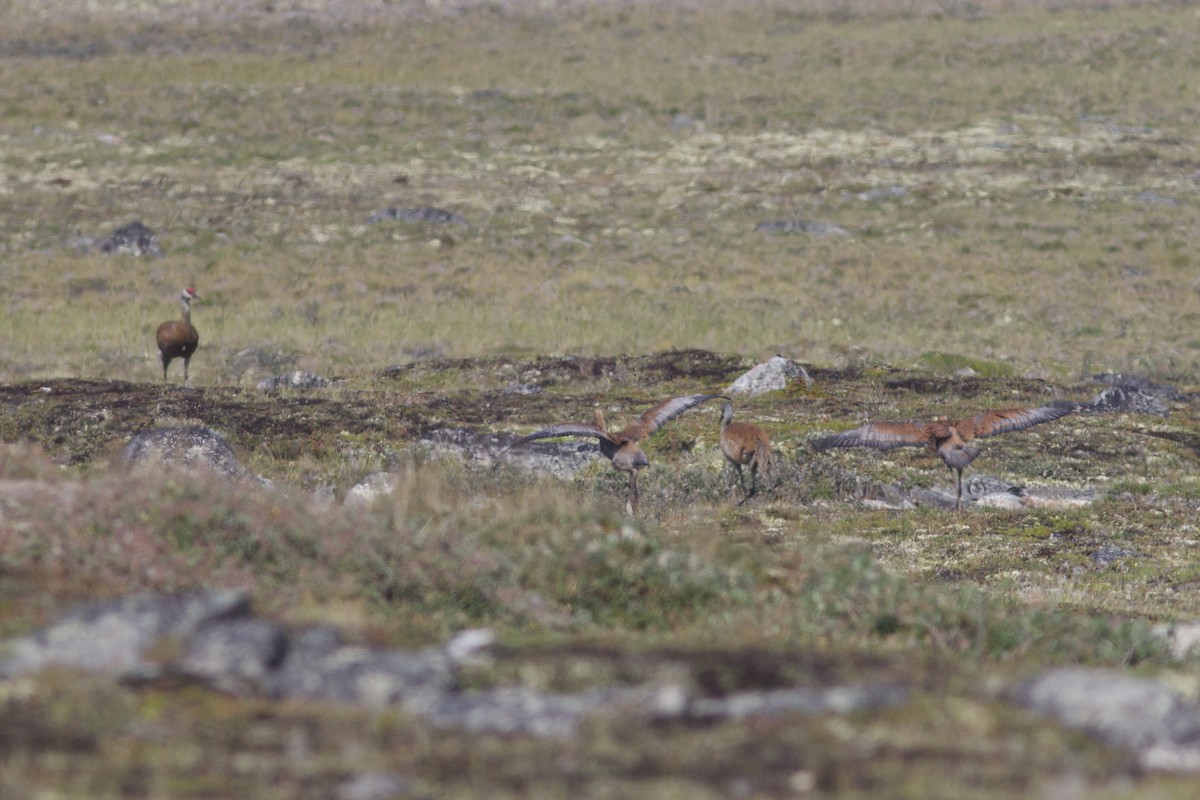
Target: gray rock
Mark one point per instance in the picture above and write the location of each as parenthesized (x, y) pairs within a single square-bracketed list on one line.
[(320, 667), (236, 656), (772, 375), (802, 226), (882, 193), (373, 786), (1136, 381), (471, 646), (522, 388), (802, 700), (510, 711), (266, 359), (187, 448), (134, 239), (1059, 497), (1107, 554), (1006, 500), (1143, 715), (112, 636), (986, 491), (887, 496), (438, 216), (1184, 637), (323, 497), (1154, 198), (563, 459), (371, 488), (525, 711), (463, 443), (223, 646), (1126, 399), (299, 380)]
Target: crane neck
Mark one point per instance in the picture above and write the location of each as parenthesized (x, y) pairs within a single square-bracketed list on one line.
[(726, 416)]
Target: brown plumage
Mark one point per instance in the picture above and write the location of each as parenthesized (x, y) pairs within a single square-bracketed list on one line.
[(177, 338), (745, 445), (621, 447), (948, 438)]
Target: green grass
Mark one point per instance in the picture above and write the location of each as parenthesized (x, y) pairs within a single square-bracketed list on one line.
[(1021, 138)]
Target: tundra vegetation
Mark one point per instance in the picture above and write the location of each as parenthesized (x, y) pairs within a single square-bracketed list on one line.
[(985, 204)]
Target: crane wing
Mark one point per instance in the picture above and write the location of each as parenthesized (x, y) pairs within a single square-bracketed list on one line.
[(666, 411), (565, 429), (993, 423), (879, 435)]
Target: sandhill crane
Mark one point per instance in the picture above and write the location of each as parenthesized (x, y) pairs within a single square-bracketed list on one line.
[(177, 338), (948, 438), (745, 444), (621, 448)]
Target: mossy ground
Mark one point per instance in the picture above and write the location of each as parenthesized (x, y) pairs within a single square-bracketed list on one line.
[(802, 586)]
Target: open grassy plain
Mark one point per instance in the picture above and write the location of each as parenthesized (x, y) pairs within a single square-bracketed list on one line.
[(1015, 184)]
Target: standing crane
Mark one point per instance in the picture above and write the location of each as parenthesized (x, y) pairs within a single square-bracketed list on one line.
[(744, 444), (178, 338)]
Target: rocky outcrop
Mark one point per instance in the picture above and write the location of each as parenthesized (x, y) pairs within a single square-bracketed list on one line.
[(188, 448), (812, 228), (298, 380), (772, 375), (1143, 715), (980, 490), (113, 636), (134, 239), (1127, 393), (216, 640), (437, 216), (562, 458)]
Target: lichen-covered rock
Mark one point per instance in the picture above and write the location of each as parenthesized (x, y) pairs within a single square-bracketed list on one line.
[(772, 375), (373, 786), (802, 226), (985, 491), (1143, 715), (463, 443), (261, 359), (192, 448), (215, 639), (298, 379), (562, 459), (1126, 399), (134, 239), (437, 216), (510, 710), (1183, 637), (237, 656), (1140, 382), (320, 667), (112, 636), (371, 488), (799, 700)]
